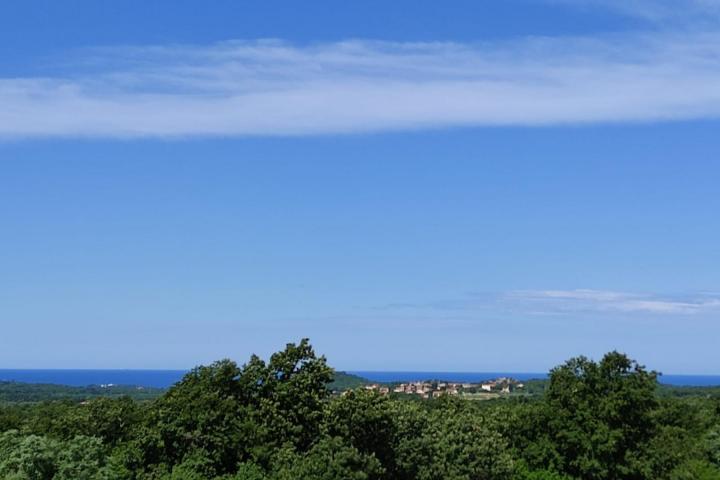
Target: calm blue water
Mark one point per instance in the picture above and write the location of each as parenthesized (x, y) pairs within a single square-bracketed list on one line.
[(165, 378)]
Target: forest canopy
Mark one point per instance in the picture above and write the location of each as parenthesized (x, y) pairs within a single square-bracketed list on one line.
[(278, 420)]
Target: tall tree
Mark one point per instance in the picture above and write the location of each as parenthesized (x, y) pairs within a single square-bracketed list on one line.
[(599, 417)]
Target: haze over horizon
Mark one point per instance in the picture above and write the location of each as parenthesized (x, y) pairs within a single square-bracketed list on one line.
[(412, 186)]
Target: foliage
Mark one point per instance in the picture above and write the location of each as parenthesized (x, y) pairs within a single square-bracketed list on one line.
[(343, 381), (17, 392), (223, 414), (329, 459), (33, 457), (278, 420), (595, 418)]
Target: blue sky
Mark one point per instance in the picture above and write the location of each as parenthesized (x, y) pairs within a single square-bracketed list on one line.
[(413, 185)]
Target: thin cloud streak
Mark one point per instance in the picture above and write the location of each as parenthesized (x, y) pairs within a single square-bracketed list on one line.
[(655, 10), (604, 301), (274, 88), (579, 303)]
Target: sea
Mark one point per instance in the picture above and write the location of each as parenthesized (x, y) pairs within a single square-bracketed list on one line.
[(166, 378)]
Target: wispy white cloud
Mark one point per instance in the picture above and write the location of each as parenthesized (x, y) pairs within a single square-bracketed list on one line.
[(655, 10), (275, 88), (579, 302), (608, 301)]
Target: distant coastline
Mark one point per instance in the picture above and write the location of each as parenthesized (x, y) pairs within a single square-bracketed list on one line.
[(393, 377), (389, 377), (84, 378), (166, 378)]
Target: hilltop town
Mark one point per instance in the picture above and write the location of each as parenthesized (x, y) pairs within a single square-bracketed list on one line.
[(436, 388)]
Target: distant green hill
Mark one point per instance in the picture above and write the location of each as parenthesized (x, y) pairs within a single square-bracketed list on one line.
[(675, 391), (347, 381), (17, 392)]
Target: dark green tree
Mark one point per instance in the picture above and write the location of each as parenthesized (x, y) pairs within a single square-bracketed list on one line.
[(365, 421), (596, 419), (222, 414), (329, 459)]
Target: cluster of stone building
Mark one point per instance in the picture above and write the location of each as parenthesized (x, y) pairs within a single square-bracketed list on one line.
[(429, 389)]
